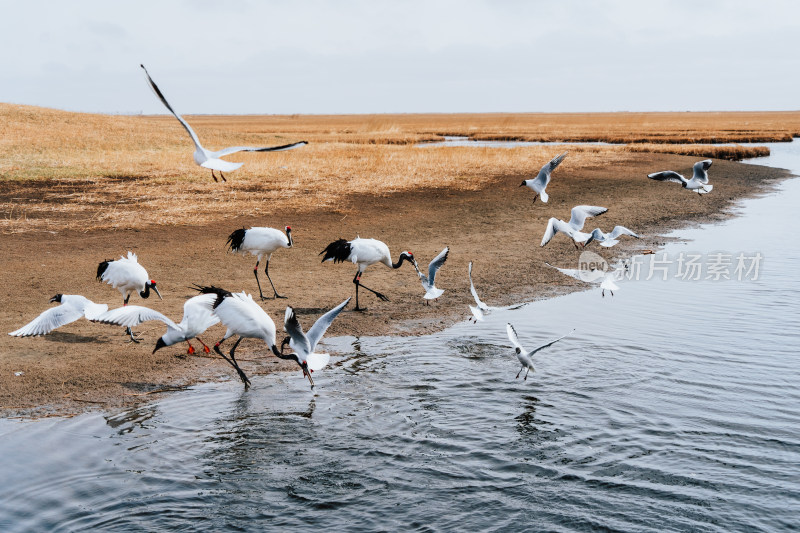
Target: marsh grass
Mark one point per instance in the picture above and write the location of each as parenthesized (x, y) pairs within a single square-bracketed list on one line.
[(88, 171)]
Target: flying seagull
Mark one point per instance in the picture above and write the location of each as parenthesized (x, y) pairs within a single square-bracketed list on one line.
[(523, 355), (479, 309), (555, 226), (211, 160), (610, 239), (606, 279), (539, 183), (698, 183), (305, 344), (577, 219), (429, 281)]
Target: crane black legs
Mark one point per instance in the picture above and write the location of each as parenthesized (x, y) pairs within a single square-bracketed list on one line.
[(220, 174), (232, 361), (266, 271), (357, 281)]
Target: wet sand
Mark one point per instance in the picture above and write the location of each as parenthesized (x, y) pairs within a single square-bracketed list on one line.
[(84, 365)]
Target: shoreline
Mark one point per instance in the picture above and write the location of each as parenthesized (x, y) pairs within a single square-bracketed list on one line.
[(84, 366)]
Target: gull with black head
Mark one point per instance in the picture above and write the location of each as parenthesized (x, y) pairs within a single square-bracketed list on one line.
[(305, 344)]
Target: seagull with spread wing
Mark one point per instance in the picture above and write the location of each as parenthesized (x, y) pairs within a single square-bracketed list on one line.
[(577, 219), (304, 344), (72, 308), (206, 158), (606, 278), (539, 183), (698, 183), (610, 239), (429, 282), (479, 309), (523, 355)]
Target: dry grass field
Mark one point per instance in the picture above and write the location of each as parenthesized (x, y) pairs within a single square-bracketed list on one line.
[(84, 171)]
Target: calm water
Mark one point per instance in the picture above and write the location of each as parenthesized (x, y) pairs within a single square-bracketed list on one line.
[(674, 406)]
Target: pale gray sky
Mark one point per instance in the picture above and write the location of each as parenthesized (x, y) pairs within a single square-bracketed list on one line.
[(420, 56)]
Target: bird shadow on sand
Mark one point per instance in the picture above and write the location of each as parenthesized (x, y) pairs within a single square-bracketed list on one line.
[(72, 338), (310, 310)]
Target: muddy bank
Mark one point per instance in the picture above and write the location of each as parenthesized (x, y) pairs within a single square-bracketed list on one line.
[(83, 365)]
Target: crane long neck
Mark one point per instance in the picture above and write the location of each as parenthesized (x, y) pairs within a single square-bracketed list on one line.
[(402, 258), (146, 292)]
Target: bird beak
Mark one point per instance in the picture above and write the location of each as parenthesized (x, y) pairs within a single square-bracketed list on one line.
[(54, 299), (307, 373), (522, 184), (159, 294), (160, 344)]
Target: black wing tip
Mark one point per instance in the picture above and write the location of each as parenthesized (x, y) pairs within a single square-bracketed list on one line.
[(281, 147), (236, 239), (338, 250), (292, 316)]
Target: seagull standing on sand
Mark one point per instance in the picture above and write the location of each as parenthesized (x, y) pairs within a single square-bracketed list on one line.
[(243, 317), (197, 317), (73, 307), (429, 281), (539, 183), (304, 344), (698, 183), (523, 355), (206, 158), (127, 276), (610, 239), (260, 242), (364, 252)]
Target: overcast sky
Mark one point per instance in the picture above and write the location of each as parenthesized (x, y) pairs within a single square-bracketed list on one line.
[(214, 56)]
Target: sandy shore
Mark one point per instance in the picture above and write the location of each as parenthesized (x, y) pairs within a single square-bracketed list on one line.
[(85, 365)]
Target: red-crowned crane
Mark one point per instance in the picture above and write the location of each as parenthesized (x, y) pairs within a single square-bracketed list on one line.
[(243, 317), (197, 317), (364, 252), (127, 276), (260, 242)]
